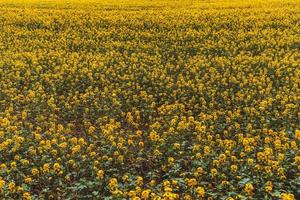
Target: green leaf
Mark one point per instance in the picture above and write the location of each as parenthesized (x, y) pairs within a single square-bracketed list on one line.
[(243, 181)]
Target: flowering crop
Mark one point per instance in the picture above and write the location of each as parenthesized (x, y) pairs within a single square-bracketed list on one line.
[(140, 99)]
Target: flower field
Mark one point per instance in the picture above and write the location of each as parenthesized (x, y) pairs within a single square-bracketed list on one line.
[(141, 99)]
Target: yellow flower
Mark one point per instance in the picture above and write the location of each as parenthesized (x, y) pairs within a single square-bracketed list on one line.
[(25, 162), (31, 94), (297, 159), (250, 161), (11, 186), (132, 194), (67, 178), (120, 158), (129, 118), (174, 182), (152, 183), (3, 166), (176, 146), (206, 150), (76, 149), (71, 163), (168, 189), (214, 172), (81, 141), (200, 192), (27, 196), (233, 168), (46, 168), (141, 144), (34, 171), (113, 183), (24, 115), (100, 174), (287, 196), (2, 184), (28, 180), (216, 163), (125, 178), (74, 140), (20, 189), (222, 157), (145, 194), (4, 122), (139, 181), (93, 154), (192, 182), (91, 130), (56, 167), (63, 145), (249, 188), (170, 160), (170, 196), (13, 165), (297, 134), (269, 186), (199, 171)]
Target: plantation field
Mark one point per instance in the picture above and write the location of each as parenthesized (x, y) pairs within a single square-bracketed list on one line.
[(150, 99)]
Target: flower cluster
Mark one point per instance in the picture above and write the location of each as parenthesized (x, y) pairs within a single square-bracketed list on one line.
[(141, 99)]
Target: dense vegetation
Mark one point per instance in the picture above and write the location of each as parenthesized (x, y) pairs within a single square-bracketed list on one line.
[(149, 99)]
